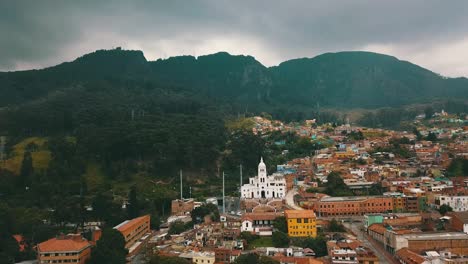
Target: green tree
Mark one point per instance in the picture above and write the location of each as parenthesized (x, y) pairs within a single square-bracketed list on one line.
[(335, 226), (9, 249), (318, 245), (428, 112), (110, 249), (417, 133), (133, 209), (432, 137), (280, 224), (443, 209), (335, 186), (280, 239), (253, 258), (249, 237), (155, 221), (198, 214), (167, 260), (27, 169), (458, 167), (178, 227)]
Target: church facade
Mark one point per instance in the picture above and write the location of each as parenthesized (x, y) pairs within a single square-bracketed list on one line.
[(264, 186)]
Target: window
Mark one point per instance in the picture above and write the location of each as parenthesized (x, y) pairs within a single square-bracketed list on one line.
[(299, 220), (306, 220)]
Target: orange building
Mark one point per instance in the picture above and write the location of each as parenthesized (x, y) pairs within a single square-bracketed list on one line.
[(71, 248), (356, 205), (133, 230), (301, 223)]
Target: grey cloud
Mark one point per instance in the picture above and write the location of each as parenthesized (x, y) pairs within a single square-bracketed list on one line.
[(40, 33)]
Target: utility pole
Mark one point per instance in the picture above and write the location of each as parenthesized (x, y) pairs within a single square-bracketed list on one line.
[(2, 148), (181, 192), (240, 186), (224, 204)]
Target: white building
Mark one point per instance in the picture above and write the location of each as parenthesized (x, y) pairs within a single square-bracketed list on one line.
[(264, 186), (458, 203)]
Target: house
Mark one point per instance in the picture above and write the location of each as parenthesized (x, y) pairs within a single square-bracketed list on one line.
[(259, 223), (204, 258)]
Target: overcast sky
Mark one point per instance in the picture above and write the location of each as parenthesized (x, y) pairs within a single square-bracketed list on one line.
[(430, 33)]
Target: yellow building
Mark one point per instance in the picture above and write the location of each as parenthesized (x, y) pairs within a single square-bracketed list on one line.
[(301, 223)]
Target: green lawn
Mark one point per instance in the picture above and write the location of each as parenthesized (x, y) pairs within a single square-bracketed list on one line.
[(261, 242)]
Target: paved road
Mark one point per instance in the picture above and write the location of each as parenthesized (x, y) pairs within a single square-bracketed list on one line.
[(384, 257), (290, 199)]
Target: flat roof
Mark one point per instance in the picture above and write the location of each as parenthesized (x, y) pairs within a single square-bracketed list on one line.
[(437, 236), (348, 198)]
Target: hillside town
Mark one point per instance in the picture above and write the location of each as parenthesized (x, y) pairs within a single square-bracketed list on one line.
[(367, 196)]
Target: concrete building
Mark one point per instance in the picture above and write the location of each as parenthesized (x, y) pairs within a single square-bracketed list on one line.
[(458, 203), (204, 258), (301, 223), (264, 186), (133, 231), (71, 248), (455, 242)]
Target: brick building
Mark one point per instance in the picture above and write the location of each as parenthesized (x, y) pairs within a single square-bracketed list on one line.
[(182, 207), (133, 230), (226, 255), (349, 206), (459, 221)]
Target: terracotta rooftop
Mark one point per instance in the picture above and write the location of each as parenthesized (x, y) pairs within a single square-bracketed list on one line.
[(297, 260), (377, 228), (409, 256), (261, 216), (299, 214), (130, 223), (70, 242), (463, 216)]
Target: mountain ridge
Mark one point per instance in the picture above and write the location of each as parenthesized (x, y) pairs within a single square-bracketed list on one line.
[(346, 79)]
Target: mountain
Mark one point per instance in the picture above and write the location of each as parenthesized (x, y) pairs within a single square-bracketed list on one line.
[(338, 80), (361, 79)]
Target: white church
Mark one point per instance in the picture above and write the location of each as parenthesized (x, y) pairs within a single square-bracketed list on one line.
[(264, 186)]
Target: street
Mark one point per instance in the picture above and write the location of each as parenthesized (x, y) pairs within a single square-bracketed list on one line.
[(384, 257), (290, 199)]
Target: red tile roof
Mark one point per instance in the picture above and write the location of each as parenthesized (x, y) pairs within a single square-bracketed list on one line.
[(377, 228), (71, 242), (21, 243), (261, 216), (299, 214), (409, 256)]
